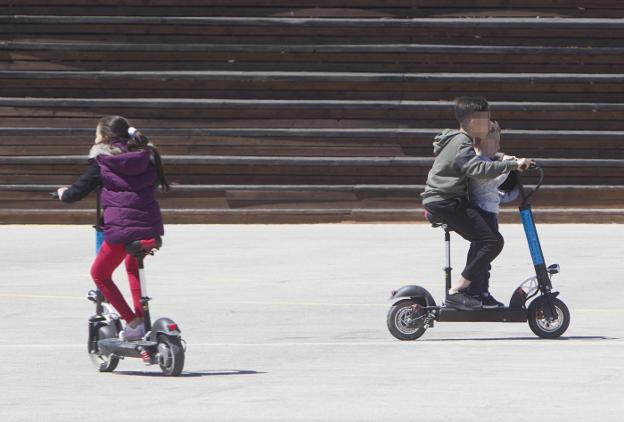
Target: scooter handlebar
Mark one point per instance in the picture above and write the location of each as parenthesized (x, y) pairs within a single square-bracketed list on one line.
[(536, 167), (532, 166)]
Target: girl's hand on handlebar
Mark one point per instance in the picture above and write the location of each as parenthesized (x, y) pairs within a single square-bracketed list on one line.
[(60, 192), (523, 164)]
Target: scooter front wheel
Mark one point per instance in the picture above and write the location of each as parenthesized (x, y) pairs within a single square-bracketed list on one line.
[(541, 326), (103, 363), (406, 319), (170, 355)]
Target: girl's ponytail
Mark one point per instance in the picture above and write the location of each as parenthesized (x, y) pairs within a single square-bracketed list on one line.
[(138, 141)]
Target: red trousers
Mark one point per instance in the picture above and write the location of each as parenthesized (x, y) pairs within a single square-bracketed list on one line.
[(109, 258)]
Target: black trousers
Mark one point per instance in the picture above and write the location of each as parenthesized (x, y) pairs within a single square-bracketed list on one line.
[(481, 284), (468, 222)]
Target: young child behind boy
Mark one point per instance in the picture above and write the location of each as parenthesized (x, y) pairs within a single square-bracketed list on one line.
[(485, 196)]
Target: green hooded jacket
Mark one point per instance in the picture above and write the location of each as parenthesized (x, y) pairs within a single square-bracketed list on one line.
[(455, 161)]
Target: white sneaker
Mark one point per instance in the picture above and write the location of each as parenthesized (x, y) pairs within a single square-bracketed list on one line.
[(130, 333)]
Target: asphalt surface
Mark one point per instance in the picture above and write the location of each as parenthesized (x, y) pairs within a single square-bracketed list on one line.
[(288, 323)]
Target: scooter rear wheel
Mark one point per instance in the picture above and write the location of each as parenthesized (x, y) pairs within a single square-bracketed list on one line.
[(170, 355), (541, 326), (406, 319)]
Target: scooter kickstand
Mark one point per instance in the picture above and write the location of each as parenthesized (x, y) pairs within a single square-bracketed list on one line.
[(429, 320)]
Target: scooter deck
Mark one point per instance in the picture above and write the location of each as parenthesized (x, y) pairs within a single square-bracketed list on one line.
[(124, 348), (504, 314)]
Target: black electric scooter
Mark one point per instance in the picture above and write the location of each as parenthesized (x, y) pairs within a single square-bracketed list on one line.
[(162, 343), (414, 309)]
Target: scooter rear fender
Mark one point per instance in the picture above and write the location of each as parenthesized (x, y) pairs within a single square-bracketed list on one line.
[(164, 326), (413, 291)]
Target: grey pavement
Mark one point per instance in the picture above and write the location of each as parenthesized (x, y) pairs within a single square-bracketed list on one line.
[(287, 322)]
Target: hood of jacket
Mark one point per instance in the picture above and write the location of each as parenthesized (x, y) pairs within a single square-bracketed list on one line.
[(131, 163), (442, 140), (119, 160)]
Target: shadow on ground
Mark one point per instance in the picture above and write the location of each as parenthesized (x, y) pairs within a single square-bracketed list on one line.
[(192, 374), (563, 338)]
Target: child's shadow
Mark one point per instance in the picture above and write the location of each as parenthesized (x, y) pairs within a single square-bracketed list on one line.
[(192, 374)]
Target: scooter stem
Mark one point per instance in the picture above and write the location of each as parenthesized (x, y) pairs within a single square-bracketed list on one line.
[(144, 297), (447, 260)]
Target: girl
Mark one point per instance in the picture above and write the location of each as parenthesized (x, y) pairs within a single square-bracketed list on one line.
[(128, 168)]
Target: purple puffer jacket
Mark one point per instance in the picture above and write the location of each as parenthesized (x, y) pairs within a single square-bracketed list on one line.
[(131, 211)]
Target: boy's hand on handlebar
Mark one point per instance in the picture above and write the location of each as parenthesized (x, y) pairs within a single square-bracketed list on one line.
[(524, 163)]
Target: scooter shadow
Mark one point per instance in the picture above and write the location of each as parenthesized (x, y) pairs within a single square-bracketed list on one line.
[(562, 338), (193, 374)]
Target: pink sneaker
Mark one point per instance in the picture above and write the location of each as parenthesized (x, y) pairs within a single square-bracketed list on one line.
[(131, 334)]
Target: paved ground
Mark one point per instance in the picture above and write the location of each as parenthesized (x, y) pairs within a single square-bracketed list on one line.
[(288, 323)]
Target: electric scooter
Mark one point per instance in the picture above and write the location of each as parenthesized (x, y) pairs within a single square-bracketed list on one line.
[(162, 343), (414, 310)]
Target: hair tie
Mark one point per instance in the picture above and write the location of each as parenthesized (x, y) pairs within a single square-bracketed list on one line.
[(131, 130)]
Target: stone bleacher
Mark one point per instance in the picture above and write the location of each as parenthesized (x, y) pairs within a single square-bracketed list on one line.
[(309, 111)]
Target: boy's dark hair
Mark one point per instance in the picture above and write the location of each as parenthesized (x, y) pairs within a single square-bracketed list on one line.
[(116, 127), (467, 106)]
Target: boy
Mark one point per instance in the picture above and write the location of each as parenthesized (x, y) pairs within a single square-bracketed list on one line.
[(446, 192)]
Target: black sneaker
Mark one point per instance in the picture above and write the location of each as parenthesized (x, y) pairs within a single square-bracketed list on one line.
[(463, 302), (489, 302)]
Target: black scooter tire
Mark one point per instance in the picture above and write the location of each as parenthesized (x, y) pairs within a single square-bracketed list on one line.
[(540, 327), (110, 365), (395, 315), (104, 363), (172, 364)]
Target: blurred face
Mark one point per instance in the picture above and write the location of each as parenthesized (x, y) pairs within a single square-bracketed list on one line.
[(478, 125), (99, 138), (490, 144)]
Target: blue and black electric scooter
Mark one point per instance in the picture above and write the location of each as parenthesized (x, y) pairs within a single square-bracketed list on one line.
[(414, 309)]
